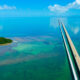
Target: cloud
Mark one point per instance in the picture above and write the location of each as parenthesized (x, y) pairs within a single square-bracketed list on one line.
[(54, 21), (1, 27), (6, 7), (75, 30), (78, 1), (63, 9)]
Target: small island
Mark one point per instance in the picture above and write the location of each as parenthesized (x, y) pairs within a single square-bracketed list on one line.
[(5, 41)]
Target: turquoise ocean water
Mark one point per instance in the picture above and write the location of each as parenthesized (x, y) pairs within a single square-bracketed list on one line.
[(37, 51)]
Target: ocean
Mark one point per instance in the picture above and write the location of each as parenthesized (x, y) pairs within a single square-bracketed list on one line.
[(37, 51)]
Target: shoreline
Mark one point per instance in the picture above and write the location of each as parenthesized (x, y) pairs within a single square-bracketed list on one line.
[(5, 44)]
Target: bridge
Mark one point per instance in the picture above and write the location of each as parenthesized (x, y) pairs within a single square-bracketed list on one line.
[(72, 54)]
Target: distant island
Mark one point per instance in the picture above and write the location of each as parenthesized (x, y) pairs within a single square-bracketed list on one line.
[(5, 41)]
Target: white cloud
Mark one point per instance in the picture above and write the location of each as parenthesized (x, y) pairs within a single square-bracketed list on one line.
[(6, 7), (55, 20), (52, 21), (63, 9), (1, 27), (75, 30), (78, 1)]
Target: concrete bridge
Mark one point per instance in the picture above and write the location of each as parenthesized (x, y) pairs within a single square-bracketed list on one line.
[(73, 56)]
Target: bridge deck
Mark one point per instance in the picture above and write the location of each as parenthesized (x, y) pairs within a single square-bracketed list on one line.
[(75, 53)]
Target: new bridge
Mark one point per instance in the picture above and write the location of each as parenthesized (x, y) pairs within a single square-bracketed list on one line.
[(72, 54)]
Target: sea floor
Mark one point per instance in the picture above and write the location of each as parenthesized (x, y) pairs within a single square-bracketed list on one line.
[(34, 58)]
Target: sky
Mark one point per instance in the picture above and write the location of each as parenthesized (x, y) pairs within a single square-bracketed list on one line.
[(23, 8)]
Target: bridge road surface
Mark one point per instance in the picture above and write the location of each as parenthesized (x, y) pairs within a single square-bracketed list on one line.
[(75, 53), (70, 48)]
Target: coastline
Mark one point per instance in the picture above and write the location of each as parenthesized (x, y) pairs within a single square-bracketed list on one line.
[(5, 44)]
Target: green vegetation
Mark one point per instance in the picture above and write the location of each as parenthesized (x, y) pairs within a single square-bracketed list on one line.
[(5, 40)]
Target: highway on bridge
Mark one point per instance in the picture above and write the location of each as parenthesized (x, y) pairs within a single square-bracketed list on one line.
[(72, 53)]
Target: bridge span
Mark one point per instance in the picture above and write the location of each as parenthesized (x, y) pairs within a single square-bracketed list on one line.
[(73, 56)]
